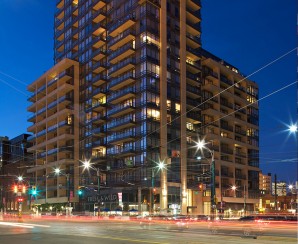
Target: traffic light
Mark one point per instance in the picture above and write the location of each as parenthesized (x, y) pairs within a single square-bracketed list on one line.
[(15, 188), (23, 189), (80, 191), (200, 187), (33, 190), (20, 199)]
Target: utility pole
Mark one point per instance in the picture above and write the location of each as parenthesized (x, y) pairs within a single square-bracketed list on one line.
[(213, 204), (98, 191), (275, 192)]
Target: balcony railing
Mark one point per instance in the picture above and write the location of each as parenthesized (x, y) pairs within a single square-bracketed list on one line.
[(120, 122), (121, 93), (193, 89), (121, 50), (118, 80), (119, 109), (121, 22), (121, 65), (121, 36)]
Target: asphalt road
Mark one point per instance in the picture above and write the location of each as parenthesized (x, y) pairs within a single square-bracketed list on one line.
[(121, 232)]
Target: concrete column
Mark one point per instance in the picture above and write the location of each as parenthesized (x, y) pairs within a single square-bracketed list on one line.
[(163, 104), (183, 146)]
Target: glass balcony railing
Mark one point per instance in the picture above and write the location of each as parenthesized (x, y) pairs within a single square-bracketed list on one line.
[(119, 23), (120, 122), (117, 68), (121, 50), (121, 136), (121, 93), (119, 109), (121, 36), (193, 89), (118, 80)]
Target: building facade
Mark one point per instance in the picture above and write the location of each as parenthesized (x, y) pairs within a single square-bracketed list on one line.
[(55, 127), (143, 86), (16, 161), (265, 183)]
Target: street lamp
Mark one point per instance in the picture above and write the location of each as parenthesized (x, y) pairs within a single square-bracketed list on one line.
[(201, 144), (87, 165), (293, 128), (58, 172), (234, 188)]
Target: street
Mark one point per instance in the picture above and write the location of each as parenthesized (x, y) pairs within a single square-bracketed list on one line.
[(63, 230)]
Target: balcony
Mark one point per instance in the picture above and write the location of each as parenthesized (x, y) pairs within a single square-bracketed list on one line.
[(98, 28), (98, 54), (98, 119), (99, 79), (192, 102), (193, 16), (227, 174), (99, 66), (120, 110), (193, 79), (121, 53), (121, 39), (98, 131), (240, 154), (193, 91), (99, 15), (227, 151), (124, 152), (193, 29), (194, 4), (193, 117), (226, 127), (98, 93), (226, 81), (226, 104), (193, 41), (60, 4), (121, 124), (240, 176), (121, 25), (97, 4), (121, 67), (194, 54), (240, 132), (211, 75), (193, 67), (98, 107), (98, 41), (121, 81), (122, 95), (121, 138)]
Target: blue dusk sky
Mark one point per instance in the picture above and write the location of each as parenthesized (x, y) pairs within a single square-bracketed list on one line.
[(258, 37)]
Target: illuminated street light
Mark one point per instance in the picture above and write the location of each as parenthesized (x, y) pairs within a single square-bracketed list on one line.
[(57, 171), (293, 128), (161, 165), (20, 178), (290, 187), (233, 188), (201, 144)]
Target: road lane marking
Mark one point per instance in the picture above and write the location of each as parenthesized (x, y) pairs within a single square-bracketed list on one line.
[(25, 225), (16, 225)]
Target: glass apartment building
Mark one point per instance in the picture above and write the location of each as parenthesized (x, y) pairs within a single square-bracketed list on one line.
[(142, 91)]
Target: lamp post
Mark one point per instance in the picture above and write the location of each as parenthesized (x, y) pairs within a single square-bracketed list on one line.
[(202, 145), (87, 165), (58, 172)]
